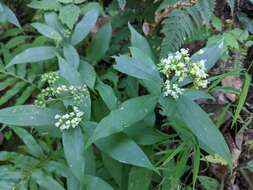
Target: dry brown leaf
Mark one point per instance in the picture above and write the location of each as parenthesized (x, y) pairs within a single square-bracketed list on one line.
[(234, 82)]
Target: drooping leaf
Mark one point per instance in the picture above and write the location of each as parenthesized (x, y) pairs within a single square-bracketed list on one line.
[(100, 43), (28, 115), (130, 112), (121, 148), (84, 26), (32, 55), (202, 126)]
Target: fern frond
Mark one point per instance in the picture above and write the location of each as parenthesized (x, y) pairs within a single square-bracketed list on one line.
[(181, 23), (17, 84)]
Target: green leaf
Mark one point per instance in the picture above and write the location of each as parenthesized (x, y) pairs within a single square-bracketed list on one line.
[(65, 1), (53, 21), (69, 14), (208, 183), (7, 185), (33, 147), (88, 74), (130, 112), (28, 115), (71, 55), (139, 178), (107, 94), (68, 72), (83, 28), (136, 68), (10, 173), (114, 167), (211, 54), (100, 43), (93, 182), (144, 132), (45, 181), (79, 1), (9, 15), (121, 148), (138, 41), (47, 31), (243, 97), (73, 145), (32, 55), (249, 166), (197, 94), (122, 4), (217, 23), (45, 5), (203, 128)]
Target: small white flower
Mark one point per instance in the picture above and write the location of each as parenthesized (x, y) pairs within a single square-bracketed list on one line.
[(69, 120), (172, 90)]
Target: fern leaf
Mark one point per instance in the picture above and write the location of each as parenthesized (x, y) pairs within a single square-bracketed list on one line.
[(181, 23)]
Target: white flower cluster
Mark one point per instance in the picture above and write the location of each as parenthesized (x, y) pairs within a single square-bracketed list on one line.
[(180, 67), (51, 93), (198, 74), (175, 64), (78, 93), (172, 89), (50, 77), (69, 120), (46, 94)]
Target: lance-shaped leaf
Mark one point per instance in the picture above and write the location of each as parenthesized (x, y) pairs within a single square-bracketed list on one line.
[(138, 41), (28, 115), (121, 148), (93, 182), (83, 28), (202, 127), (32, 55), (9, 15), (47, 31), (73, 145), (100, 43), (69, 72), (129, 113), (210, 54), (45, 181), (136, 68), (33, 147), (71, 55)]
